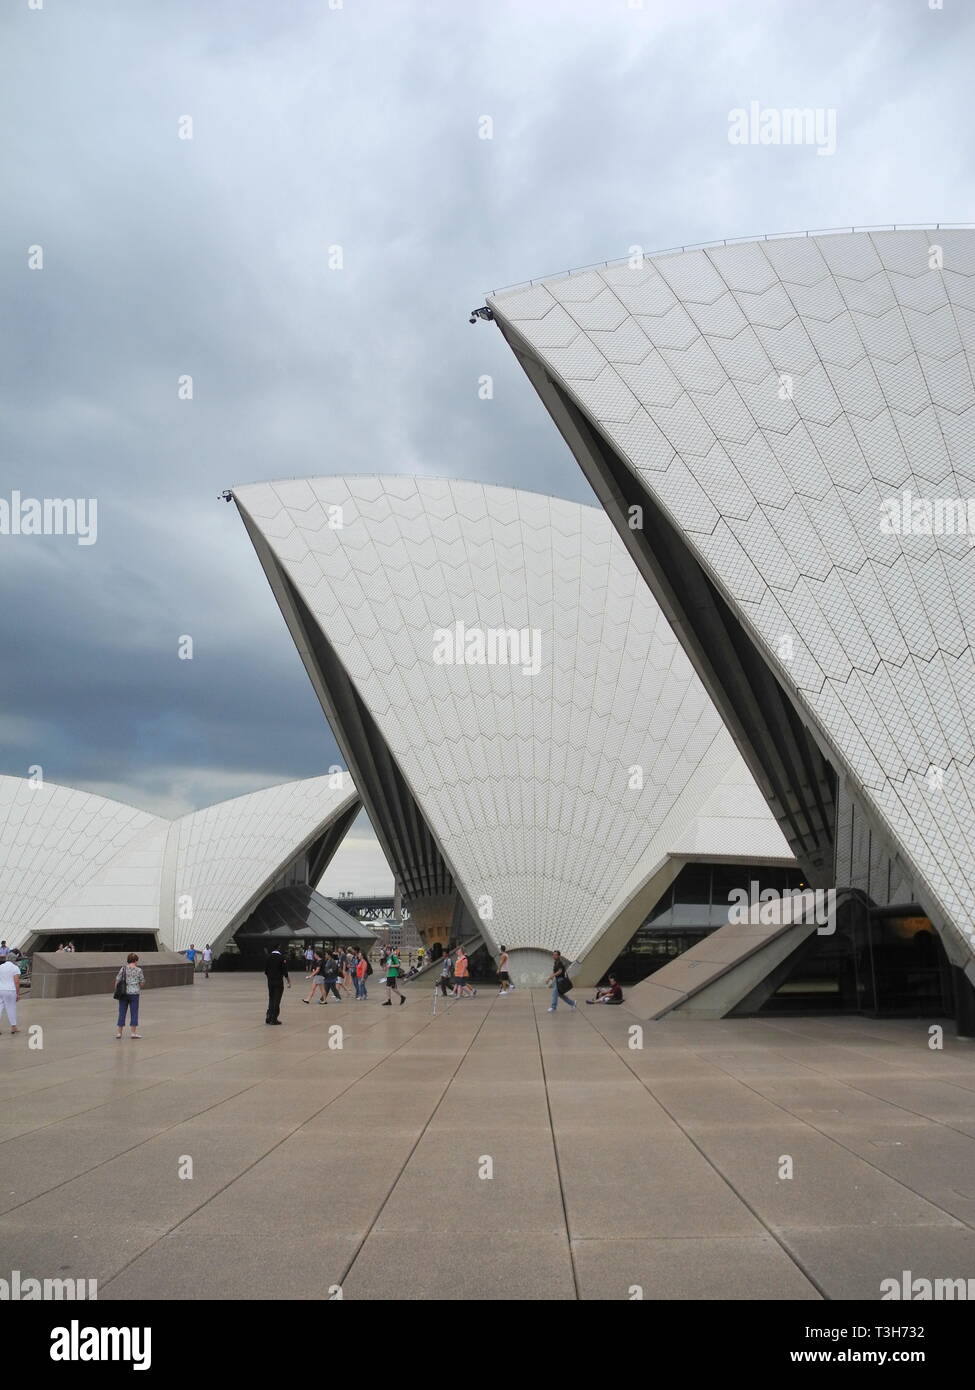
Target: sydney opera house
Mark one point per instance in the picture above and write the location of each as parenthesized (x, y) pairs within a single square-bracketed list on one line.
[(747, 673), (543, 767), (774, 428), (105, 876)]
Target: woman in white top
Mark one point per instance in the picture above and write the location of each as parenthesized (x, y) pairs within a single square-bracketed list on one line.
[(9, 991)]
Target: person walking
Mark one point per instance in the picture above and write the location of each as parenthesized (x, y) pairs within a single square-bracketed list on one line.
[(3, 950), (331, 968), (276, 970), (9, 990), (207, 961), (309, 960), (446, 974), (504, 978), (462, 972), (560, 982), (317, 980), (352, 966), (346, 976), (392, 975), (128, 985), (360, 974), (191, 957)]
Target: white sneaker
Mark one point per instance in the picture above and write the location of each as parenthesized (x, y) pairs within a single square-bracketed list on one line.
[(551, 1008)]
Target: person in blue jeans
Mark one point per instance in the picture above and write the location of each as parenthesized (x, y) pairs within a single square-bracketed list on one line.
[(359, 974), (331, 969), (560, 982), (134, 979)]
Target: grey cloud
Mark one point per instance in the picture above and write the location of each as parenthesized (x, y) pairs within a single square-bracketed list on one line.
[(359, 127)]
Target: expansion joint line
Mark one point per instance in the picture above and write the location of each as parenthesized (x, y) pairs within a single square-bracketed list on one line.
[(555, 1151), (789, 1254), (420, 1137), (261, 1157)]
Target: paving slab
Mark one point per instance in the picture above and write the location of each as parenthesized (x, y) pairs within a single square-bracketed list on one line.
[(613, 1166), (853, 1262), (829, 1187), (737, 1268), (640, 1185), (447, 1264), (225, 1267)]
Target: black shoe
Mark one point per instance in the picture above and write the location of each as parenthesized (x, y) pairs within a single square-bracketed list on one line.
[(276, 1022), (387, 1003), (402, 999)]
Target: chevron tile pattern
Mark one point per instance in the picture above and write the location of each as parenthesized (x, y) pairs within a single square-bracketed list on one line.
[(771, 396), (72, 862), (227, 853), (55, 840), (523, 779)]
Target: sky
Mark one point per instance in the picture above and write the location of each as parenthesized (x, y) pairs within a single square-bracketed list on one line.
[(293, 203)]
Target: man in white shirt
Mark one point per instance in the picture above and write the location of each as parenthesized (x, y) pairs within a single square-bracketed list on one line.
[(9, 992), (504, 978), (207, 961)]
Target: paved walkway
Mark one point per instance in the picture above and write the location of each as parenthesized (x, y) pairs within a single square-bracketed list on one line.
[(612, 1167)]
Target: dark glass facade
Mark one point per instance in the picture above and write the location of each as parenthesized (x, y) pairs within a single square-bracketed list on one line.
[(696, 904), (879, 961), (100, 941)]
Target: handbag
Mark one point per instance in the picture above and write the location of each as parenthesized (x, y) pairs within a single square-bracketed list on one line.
[(120, 987), (563, 984)]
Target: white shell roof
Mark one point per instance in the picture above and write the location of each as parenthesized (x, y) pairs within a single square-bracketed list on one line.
[(227, 853), (54, 840), (72, 862), (771, 395), (523, 779)]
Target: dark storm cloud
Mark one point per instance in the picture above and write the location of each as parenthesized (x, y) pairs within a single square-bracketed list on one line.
[(355, 127)]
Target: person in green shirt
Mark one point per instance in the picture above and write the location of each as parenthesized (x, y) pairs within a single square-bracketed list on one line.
[(393, 972)]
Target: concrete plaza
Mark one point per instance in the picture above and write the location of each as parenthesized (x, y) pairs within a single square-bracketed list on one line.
[(615, 1169)]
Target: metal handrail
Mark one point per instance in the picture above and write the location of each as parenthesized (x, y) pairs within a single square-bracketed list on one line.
[(739, 240)]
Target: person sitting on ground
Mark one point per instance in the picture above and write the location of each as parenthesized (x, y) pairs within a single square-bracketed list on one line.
[(612, 994)]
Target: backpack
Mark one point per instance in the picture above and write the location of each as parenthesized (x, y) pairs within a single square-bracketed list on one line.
[(368, 968)]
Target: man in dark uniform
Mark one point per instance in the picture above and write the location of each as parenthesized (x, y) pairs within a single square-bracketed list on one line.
[(276, 971)]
